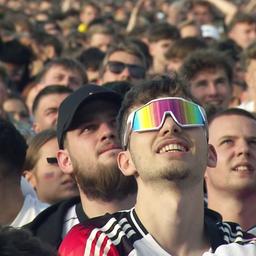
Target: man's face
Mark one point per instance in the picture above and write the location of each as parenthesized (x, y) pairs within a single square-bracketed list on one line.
[(92, 148), (47, 111), (250, 78), (159, 48), (234, 138), (118, 59), (243, 34), (101, 41), (88, 14), (51, 184), (211, 87), (62, 76), (201, 14), (170, 154)]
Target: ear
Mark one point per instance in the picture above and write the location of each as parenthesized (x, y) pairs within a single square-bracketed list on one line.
[(151, 48), (125, 163), (212, 156), (30, 177), (64, 161)]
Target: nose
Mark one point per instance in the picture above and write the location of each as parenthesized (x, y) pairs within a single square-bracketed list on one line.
[(243, 148), (125, 73), (212, 89), (170, 126), (106, 131)]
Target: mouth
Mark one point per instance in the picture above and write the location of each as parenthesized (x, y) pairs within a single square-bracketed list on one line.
[(173, 146), (243, 168), (109, 148)]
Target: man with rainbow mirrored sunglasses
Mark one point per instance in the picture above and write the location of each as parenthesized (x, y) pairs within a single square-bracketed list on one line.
[(165, 146)]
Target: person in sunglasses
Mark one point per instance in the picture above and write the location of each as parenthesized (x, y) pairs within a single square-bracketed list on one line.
[(123, 61), (164, 136)]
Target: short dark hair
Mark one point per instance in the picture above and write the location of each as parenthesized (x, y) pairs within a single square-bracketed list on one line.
[(162, 31), (249, 54), (206, 59), (182, 47), (142, 93), (230, 112), (91, 58), (67, 63), (13, 147), (21, 242), (241, 18), (52, 89)]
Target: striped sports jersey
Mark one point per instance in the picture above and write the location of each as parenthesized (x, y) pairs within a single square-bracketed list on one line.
[(122, 234)]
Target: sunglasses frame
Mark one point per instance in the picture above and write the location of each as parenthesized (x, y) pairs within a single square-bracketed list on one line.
[(129, 66), (130, 118)]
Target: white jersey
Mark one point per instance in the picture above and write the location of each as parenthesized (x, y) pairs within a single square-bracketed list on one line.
[(122, 234)]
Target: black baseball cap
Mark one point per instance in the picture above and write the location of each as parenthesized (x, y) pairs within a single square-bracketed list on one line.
[(70, 105)]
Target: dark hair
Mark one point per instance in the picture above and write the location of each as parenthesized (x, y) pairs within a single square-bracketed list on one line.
[(142, 93), (67, 63), (52, 89), (161, 31), (13, 147), (21, 242), (241, 17), (230, 112), (182, 47), (206, 59), (91, 58)]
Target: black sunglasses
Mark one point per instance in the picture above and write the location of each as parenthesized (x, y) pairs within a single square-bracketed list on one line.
[(135, 71), (51, 160)]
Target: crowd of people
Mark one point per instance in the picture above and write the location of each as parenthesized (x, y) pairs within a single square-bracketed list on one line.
[(128, 127)]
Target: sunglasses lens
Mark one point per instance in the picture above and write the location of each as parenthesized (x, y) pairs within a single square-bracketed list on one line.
[(151, 116), (116, 66), (137, 71)]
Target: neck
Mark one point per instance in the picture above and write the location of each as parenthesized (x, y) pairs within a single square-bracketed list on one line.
[(97, 207), (238, 208), (11, 199), (180, 212)]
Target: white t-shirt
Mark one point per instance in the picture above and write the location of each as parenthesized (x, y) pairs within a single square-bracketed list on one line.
[(31, 206)]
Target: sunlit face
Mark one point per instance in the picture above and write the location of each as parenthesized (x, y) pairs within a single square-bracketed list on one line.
[(243, 33), (93, 149), (101, 41), (250, 78), (88, 14), (234, 138), (171, 154), (159, 48), (62, 76), (211, 87), (47, 111), (50, 183), (123, 57)]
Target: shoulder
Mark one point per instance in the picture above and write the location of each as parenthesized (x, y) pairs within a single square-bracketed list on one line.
[(95, 236)]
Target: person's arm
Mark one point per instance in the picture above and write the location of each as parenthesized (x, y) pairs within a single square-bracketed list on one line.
[(250, 6), (226, 7), (135, 15)]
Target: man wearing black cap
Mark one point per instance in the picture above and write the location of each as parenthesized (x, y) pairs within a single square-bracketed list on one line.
[(88, 149)]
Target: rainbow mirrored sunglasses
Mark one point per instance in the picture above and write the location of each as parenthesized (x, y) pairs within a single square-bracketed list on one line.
[(151, 116)]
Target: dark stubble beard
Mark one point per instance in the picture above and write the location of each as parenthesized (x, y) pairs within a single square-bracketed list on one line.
[(106, 182)]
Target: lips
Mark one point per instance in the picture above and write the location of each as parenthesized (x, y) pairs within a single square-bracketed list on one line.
[(109, 147)]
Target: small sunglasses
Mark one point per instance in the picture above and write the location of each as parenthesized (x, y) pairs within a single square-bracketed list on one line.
[(151, 116), (135, 71), (51, 160)]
